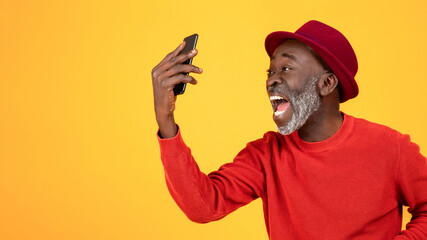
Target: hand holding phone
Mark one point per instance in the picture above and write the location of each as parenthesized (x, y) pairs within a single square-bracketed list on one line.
[(169, 73), (190, 45)]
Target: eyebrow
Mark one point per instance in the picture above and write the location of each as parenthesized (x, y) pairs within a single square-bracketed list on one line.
[(286, 55)]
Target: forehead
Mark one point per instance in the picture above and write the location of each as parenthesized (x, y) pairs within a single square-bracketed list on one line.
[(294, 50)]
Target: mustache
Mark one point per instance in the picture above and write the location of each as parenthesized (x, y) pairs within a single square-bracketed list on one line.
[(273, 89), (283, 89)]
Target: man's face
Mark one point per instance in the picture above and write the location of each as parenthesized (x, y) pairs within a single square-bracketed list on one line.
[(292, 85)]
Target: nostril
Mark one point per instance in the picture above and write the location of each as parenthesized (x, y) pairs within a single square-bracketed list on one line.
[(273, 82)]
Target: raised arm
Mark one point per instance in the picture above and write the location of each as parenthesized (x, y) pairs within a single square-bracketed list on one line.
[(201, 197), (167, 74)]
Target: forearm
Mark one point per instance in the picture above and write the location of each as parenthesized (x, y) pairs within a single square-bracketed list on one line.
[(202, 197), (191, 189)]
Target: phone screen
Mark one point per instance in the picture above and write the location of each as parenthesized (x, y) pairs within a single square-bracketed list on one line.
[(190, 45)]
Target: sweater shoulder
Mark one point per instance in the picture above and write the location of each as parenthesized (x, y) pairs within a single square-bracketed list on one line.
[(380, 135), (268, 139), (373, 129), (265, 145)]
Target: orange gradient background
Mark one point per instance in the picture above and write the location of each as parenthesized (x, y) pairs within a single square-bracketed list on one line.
[(79, 157)]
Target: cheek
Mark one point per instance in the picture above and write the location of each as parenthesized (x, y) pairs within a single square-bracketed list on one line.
[(296, 82)]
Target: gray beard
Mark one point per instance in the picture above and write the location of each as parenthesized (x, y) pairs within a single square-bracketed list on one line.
[(303, 104)]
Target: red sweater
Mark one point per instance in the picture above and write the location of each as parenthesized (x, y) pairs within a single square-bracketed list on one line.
[(350, 186)]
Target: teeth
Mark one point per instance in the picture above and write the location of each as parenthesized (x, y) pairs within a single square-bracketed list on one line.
[(277, 113), (273, 104), (272, 98)]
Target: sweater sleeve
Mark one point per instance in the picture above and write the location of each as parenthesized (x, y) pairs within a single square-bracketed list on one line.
[(205, 198), (412, 184)]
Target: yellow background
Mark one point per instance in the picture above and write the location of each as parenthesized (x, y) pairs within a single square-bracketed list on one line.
[(79, 157)]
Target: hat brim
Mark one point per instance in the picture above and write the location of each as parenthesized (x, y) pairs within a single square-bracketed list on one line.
[(348, 86)]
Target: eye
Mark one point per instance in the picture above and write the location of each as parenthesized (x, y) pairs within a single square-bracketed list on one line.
[(270, 72), (286, 69)]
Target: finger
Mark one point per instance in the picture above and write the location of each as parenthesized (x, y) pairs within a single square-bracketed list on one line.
[(177, 60), (169, 83), (180, 69), (158, 68), (174, 53)]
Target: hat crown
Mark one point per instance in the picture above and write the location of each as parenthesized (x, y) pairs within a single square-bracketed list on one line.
[(333, 40)]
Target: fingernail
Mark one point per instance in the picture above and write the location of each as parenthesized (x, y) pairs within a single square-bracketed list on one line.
[(200, 70), (193, 51)]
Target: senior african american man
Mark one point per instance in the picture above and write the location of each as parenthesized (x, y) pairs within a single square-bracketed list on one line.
[(324, 174)]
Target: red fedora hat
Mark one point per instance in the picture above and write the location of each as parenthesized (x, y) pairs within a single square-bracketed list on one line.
[(332, 47)]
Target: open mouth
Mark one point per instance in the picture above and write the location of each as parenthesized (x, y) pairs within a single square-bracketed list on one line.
[(279, 104)]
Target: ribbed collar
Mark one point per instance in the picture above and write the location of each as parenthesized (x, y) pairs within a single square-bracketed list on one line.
[(328, 144)]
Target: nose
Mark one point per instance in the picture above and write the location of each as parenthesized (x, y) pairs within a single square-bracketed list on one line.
[(273, 80)]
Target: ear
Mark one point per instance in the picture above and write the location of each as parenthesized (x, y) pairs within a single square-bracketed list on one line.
[(327, 84)]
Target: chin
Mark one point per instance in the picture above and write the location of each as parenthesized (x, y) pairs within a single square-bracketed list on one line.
[(290, 125), (285, 122), (285, 130)]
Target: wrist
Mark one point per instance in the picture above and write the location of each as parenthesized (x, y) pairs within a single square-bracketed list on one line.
[(167, 127)]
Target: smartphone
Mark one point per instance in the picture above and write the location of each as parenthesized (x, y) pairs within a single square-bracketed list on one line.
[(190, 45)]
